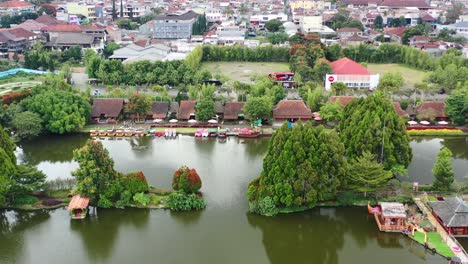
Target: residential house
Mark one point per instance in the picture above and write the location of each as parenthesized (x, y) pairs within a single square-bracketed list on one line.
[(174, 26), (215, 15), (313, 24), (230, 35), (432, 110), (107, 110), (48, 20), (135, 10), (348, 32), (61, 37), (291, 110), (462, 28), (186, 110), (353, 40), (16, 7), (82, 9), (418, 39), (395, 34), (258, 21), (452, 214), (233, 111), (351, 73), (32, 26), (159, 110)]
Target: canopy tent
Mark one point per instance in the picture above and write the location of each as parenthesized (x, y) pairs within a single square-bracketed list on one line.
[(212, 121), (157, 120), (192, 121), (424, 122), (173, 121), (442, 123), (411, 122)]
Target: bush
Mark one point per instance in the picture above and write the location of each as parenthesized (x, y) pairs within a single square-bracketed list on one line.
[(265, 207), (142, 199), (104, 202), (186, 180), (345, 198), (51, 202), (180, 201), (135, 182), (25, 199), (125, 199)]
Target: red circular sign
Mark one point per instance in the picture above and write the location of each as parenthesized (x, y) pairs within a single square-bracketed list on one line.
[(331, 78)]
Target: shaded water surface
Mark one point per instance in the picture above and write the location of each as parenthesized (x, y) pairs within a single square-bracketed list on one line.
[(222, 233)]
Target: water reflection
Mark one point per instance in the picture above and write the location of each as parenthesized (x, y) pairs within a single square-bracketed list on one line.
[(100, 233), (186, 218), (12, 227)]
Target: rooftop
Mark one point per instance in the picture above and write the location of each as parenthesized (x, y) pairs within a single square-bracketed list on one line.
[(291, 109), (346, 66), (453, 211), (111, 107)]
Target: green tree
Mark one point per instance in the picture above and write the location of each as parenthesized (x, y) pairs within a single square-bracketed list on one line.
[(205, 109), (371, 124), (27, 124), (186, 180), (139, 104), (391, 82), (457, 106), (334, 52), (258, 107), (365, 174), (96, 173), (110, 48), (63, 111), (331, 111), (89, 54), (443, 171), (26, 180), (412, 31), (277, 38), (314, 97), (8, 164), (321, 68), (72, 54), (378, 22), (339, 88), (454, 12), (274, 25)]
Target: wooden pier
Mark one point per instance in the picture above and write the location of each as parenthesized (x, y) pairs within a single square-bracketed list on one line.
[(450, 240)]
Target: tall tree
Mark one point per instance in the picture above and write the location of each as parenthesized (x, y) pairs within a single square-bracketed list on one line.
[(321, 68), (205, 109), (274, 25), (365, 174), (27, 124), (378, 22), (371, 124), (457, 106), (391, 82), (443, 171), (8, 164), (303, 165), (96, 170), (139, 104), (258, 107)]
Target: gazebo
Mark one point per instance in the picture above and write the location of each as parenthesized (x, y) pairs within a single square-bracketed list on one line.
[(392, 217), (78, 207)]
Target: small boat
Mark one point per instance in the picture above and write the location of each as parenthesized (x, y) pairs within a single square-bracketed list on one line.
[(102, 133), (128, 134), (110, 133), (174, 133), (199, 133), (373, 210), (212, 132), (222, 133), (248, 133), (205, 133), (119, 133), (166, 133), (159, 134), (93, 133)]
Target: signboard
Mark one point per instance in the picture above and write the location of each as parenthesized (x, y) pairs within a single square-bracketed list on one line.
[(331, 79)]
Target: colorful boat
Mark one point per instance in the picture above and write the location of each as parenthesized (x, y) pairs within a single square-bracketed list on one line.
[(222, 133), (93, 133), (205, 133), (248, 133), (174, 133), (102, 133), (199, 133), (78, 207), (128, 134), (212, 132), (373, 210), (110, 133), (119, 133), (166, 133)]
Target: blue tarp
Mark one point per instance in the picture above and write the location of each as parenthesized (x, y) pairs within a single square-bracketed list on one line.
[(15, 71)]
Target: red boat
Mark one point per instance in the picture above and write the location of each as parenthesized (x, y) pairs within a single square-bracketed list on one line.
[(248, 133)]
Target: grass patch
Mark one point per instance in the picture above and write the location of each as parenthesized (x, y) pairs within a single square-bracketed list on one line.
[(242, 71), (435, 241), (410, 75), (25, 200)]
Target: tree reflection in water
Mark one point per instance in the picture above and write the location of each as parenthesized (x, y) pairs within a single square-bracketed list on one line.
[(12, 226), (99, 233)]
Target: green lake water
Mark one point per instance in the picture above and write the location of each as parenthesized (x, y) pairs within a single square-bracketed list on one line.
[(222, 233)]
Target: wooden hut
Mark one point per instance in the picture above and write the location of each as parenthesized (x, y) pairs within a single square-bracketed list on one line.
[(391, 217), (78, 207)]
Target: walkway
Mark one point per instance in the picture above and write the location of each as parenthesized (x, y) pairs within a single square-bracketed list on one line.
[(450, 240)]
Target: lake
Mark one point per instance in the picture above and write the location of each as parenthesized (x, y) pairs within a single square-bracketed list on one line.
[(223, 232)]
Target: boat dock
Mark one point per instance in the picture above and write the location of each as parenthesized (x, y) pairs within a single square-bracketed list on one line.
[(450, 240)]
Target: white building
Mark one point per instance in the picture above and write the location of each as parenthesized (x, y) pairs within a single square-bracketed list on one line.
[(351, 73)]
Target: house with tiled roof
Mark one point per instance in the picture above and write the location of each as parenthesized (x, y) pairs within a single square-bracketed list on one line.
[(174, 26), (348, 32), (342, 100), (395, 34), (48, 20), (351, 73), (16, 7), (400, 112), (452, 214), (432, 110), (107, 110), (32, 25), (291, 110), (186, 110), (233, 111), (353, 40), (159, 110)]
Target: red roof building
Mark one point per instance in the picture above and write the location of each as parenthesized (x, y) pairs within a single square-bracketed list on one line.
[(62, 28), (399, 110), (15, 4), (233, 110), (342, 100), (186, 110), (432, 110), (348, 67), (291, 109)]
